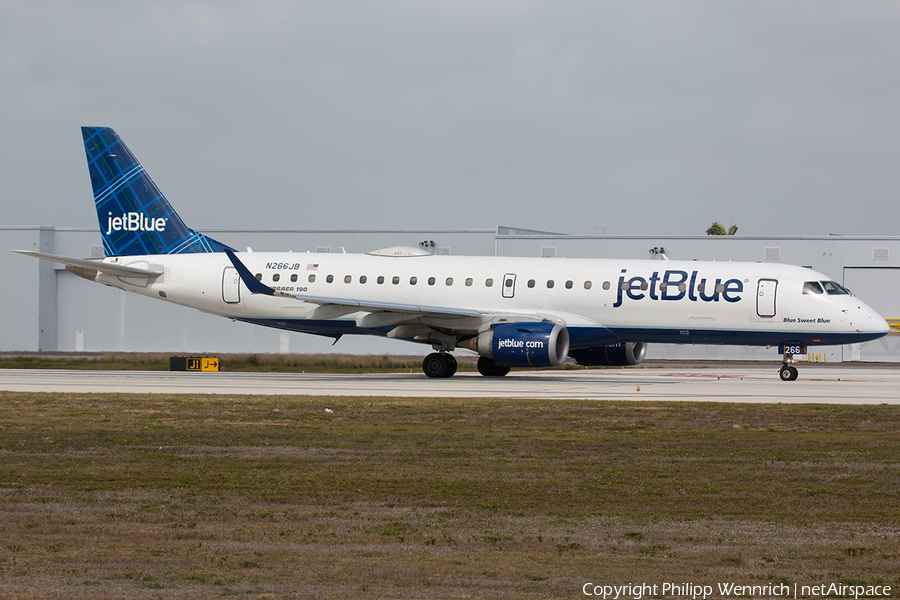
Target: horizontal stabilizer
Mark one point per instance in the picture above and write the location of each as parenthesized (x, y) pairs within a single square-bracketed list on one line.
[(96, 265)]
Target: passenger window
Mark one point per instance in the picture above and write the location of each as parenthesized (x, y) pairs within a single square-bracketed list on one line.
[(509, 283), (624, 286), (587, 285), (431, 281), (644, 286), (312, 277), (293, 278), (549, 284), (663, 287), (258, 276), (413, 280), (380, 279), (813, 287), (701, 287), (363, 279), (683, 286), (276, 277), (605, 285), (329, 279), (488, 282), (395, 280), (531, 283), (569, 285), (719, 288), (469, 282), (347, 279), (449, 281)]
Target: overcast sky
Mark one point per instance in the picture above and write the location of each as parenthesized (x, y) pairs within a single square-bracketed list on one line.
[(637, 117)]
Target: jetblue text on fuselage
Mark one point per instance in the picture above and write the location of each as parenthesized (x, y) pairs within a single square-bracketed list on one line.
[(133, 221), (676, 285)]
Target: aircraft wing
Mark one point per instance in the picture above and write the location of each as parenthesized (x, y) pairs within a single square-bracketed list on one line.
[(434, 312), (96, 265), (394, 306)]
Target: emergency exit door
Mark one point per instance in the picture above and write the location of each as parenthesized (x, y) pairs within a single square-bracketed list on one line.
[(765, 297), (509, 285)]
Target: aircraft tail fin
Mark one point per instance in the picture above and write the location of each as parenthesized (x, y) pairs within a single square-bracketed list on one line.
[(135, 217)]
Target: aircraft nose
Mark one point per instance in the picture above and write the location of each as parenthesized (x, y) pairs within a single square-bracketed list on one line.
[(879, 325)]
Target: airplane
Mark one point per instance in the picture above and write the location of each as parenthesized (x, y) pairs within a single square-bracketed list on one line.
[(512, 312)]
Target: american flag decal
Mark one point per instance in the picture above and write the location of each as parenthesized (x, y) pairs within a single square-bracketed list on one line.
[(312, 266)]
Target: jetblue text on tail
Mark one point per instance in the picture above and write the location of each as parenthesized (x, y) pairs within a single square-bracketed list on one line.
[(134, 222)]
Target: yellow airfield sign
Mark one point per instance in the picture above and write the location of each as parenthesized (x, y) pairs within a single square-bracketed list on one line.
[(194, 363)]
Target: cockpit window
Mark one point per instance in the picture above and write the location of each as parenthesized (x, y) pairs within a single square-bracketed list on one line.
[(834, 288), (813, 287)]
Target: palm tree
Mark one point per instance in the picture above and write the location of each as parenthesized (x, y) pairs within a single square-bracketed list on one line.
[(718, 229)]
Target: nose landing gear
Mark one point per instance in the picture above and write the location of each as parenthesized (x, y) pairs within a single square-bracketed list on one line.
[(788, 372)]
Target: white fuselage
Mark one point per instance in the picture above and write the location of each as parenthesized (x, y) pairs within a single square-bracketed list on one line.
[(634, 300)]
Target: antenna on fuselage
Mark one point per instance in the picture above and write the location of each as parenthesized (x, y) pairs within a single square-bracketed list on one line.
[(659, 251)]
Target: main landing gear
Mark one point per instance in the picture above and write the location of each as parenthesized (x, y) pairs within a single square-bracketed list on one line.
[(489, 368), (787, 372), (439, 364)]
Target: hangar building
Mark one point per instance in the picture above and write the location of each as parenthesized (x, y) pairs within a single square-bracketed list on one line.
[(46, 308)]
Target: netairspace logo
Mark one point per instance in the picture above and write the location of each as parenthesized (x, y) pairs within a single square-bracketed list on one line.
[(694, 591), (134, 221)]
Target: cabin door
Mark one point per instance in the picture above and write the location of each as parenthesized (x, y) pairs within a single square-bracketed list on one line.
[(231, 286), (765, 297)]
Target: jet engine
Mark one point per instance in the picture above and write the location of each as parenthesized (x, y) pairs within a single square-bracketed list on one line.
[(615, 355), (523, 344)]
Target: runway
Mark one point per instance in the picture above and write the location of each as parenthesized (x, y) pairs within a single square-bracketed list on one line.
[(722, 382)]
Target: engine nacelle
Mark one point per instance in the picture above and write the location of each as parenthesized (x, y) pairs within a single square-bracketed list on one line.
[(616, 355), (523, 344)]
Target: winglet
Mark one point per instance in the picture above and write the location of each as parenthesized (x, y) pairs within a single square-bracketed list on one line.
[(253, 284)]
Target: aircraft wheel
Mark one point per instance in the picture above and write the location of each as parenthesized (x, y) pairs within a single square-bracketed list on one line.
[(794, 373), (451, 365), (436, 365), (788, 373), (489, 368)]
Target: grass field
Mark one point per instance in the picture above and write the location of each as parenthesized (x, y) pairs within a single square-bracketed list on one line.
[(123, 496), (272, 363), (291, 363)]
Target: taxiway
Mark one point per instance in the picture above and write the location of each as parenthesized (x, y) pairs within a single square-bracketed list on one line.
[(838, 384)]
